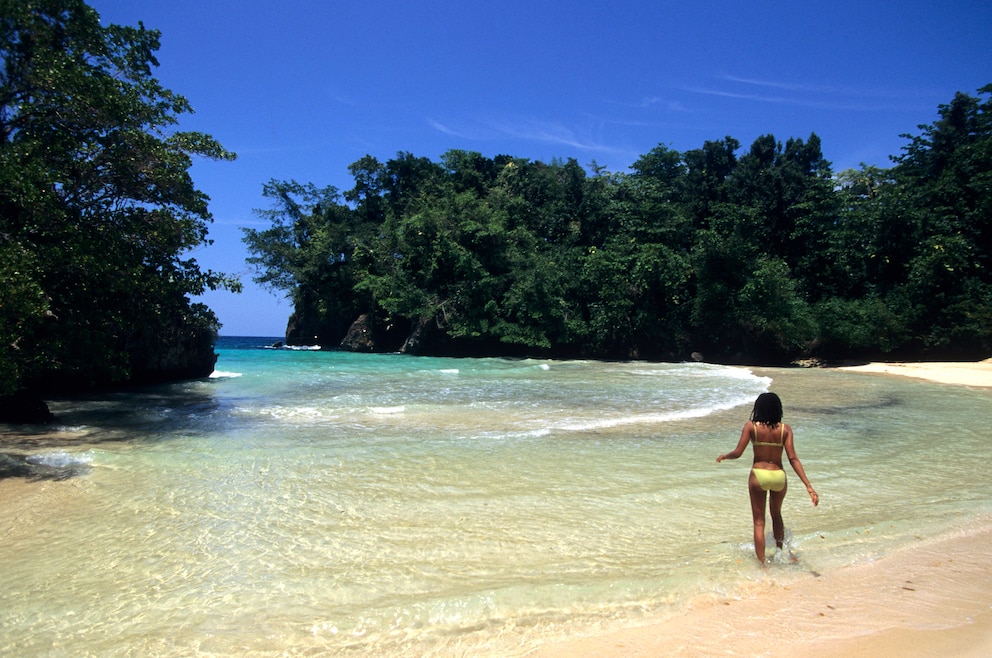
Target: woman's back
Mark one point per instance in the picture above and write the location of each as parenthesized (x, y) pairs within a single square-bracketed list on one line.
[(768, 441)]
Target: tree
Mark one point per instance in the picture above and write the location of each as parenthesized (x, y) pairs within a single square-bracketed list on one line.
[(776, 321), (653, 200), (707, 172), (763, 256), (308, 253), (97, 207), (636, 298), (944, 191)]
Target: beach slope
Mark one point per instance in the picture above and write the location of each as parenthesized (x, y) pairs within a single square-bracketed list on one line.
[(933, 599)]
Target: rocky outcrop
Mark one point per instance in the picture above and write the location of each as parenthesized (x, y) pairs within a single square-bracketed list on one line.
[(422, 337), (183, 355), (360, 336), (304, 329)]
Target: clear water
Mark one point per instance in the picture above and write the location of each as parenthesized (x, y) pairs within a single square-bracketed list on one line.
[(309, 503)]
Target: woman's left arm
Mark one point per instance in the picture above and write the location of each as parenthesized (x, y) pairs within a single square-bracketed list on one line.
[(797, 466)]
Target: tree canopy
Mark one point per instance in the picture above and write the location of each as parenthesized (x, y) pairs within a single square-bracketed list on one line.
[(97, 208), (761, 255)]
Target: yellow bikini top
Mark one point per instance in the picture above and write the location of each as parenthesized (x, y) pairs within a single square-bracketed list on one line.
[(781, 438)]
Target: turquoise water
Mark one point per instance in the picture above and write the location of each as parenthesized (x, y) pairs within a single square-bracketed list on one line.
[(304, 503)]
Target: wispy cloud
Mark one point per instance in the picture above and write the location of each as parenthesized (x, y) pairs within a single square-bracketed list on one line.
[(442, 128), (527, 129), (649, 102), (803, 87), (472, 130), (763, 98), (803, 94), (553, 132), (786, 86)]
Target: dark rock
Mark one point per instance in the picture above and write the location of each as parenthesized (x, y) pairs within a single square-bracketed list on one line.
[(157, 362), (360, 336), (422, 338), (23, 408)]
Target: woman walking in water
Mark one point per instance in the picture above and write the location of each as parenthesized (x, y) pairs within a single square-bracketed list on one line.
[(769, 437)]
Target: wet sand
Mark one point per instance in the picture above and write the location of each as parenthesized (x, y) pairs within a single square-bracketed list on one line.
[(931, 600)]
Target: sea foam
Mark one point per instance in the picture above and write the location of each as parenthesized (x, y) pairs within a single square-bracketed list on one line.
[(652, 418), (61, 459)]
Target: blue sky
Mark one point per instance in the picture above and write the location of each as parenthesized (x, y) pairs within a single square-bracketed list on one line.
[(300, 90)]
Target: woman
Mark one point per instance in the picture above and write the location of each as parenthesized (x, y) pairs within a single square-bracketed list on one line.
[(769, 437)]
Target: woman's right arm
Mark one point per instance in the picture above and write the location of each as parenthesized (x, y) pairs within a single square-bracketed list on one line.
[(741, 445)]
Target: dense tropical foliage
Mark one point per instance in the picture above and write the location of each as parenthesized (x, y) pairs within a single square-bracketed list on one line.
[(758, 254), (764, 254), (97, 208)]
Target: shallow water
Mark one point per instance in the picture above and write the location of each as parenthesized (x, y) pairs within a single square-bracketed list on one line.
[(302, 502)]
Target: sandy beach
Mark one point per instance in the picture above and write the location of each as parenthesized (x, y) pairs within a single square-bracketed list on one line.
[(934, 599), (966, 374)]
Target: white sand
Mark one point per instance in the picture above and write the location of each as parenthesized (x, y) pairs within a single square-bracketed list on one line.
[(967, 374)]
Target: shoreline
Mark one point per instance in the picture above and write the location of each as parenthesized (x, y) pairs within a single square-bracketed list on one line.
[(959, 373), (930, 599)]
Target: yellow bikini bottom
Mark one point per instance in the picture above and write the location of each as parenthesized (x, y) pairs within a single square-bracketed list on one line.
[(769, 480)]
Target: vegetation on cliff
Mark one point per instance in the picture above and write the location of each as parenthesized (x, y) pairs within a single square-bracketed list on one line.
[(763, 254)]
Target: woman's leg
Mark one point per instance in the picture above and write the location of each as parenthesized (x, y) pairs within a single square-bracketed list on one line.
[(758, 514), (775, 507)]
